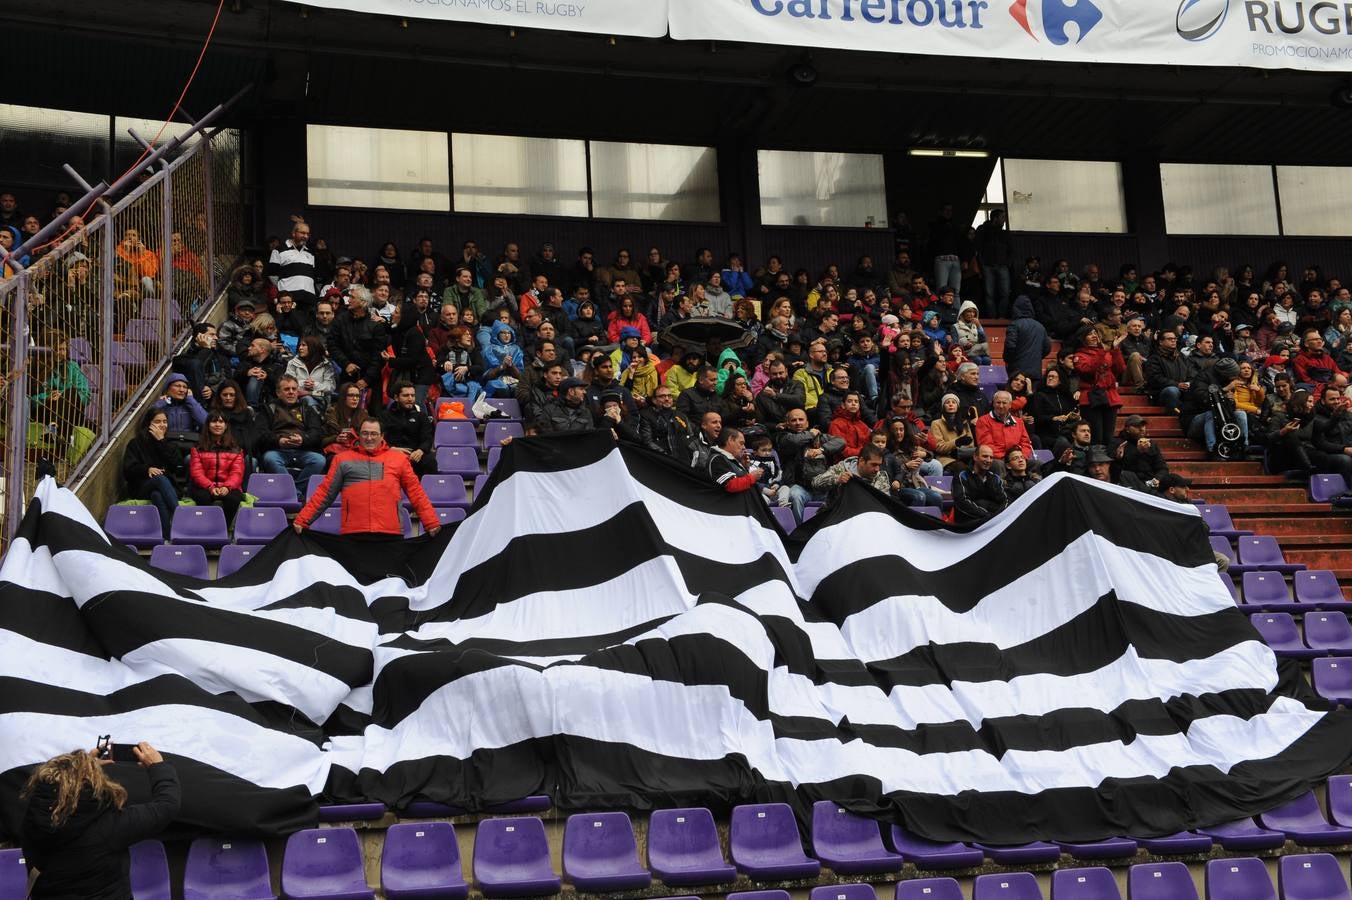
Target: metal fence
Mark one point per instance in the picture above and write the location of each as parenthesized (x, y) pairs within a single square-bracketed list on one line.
[(88, 330)]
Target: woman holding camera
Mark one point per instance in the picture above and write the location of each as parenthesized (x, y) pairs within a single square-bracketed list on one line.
[(78, 826), (1100, 369)]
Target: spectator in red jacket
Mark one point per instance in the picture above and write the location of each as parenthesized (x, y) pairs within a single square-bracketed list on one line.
[(216, 468), (1315, 365), (849, 426), (1099, 368), (369, 478), (1002, 431)]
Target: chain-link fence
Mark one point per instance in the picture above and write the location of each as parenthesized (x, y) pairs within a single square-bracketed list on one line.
[(88, 331)]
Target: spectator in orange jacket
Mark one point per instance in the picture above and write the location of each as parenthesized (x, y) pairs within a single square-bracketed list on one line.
[(849, 426), (144, 262), (369, 478), (1002, 431)]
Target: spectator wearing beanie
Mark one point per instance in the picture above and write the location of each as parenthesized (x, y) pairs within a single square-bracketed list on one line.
[(954, 442)]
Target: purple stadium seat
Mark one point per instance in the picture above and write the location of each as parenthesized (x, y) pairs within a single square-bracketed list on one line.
[(784, 516), (1312, 876), (1261, 551), (1230, 586), (324, 862), (765, 844), (351, 812), (683, 848), (993, 375), (1218, 519), (1318, 588), (149, 871), (1244, 834), (494, 432), (1268, 591), (479, 482), (449, 515), (1333, 679), (1323, 488), (494, 457), (1085, 884), (151, 306), (1006, 886), (128, 353), (1184, 843), (507, 406), (455, 433), (843, 892), (181, 559), (928, 855), (1108, 848), (13, 874), (406, 522), (1021, 854), (422, 860), (138, 526), (143, 331), (511, 858), (329, 521), (1328, 633), (600, 853), (227, 868), (259, 524), (81, 350), (1303, 822), (233, 558), (810, 511), (759, 895), (1240, 878), (1041, 457), (944, 485), (1279, 632), (274, 490), (849, 844), (1161, 881), (444, 491), (460, 461), (117, 379), (1340, 799), (313, 485), (204, 525), (1224, 547), (929, 889)]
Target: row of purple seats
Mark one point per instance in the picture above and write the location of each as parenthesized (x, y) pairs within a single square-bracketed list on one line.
[(1217, 519), (1315, 589), (13, 874), (117, 377), (1329, 489), (508, 406), (462, 433), (1326, 634), (1256, 553)]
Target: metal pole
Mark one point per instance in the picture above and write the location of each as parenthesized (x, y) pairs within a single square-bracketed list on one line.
[(107, 314), (209, 252), (18, 393), (167, 268), (55, 226)]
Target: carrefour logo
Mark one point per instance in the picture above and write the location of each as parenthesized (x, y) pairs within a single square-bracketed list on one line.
[(1198, 20), (1056, 16)]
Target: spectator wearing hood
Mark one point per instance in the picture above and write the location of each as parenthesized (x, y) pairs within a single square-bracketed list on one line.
[(970, 336), (934, 329), (954, 442), (185, 415), (736, 279), (587, 328), (635, 365), (503, 360)]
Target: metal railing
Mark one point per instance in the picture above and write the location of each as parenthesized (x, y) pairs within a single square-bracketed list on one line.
[(88, 329)]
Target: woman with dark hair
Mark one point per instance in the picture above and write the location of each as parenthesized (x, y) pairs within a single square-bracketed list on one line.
[(216, 468), (343, 420), (77, 827), (312, 369), (1054, 409), (415, 361), (149, 464), (739, 405), (388, 256), (1100, 369), (627, 316), (229, 402)]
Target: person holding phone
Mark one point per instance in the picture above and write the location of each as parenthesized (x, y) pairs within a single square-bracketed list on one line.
[(78, 827)]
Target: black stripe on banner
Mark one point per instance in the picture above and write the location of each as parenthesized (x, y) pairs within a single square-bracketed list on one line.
[(404, 683), (47, 619), (563, 646)]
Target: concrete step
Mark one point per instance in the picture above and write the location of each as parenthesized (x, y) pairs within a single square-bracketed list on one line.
[(1171, 444), (1320, 540), (1211, 480), (1295, 527), (1319, 557), (1201, 469), (1258, 496)]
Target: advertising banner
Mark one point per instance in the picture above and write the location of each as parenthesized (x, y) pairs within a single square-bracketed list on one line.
[(635, 18), (1276, 34)]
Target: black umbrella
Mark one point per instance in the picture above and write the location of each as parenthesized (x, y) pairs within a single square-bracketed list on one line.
[(706, 335)]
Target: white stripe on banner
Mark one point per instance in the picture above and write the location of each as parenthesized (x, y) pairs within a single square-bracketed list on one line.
[(637, 18)]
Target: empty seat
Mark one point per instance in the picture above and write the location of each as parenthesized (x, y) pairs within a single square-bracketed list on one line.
[(1312, 876), (1085, 884), (511, 858), (138, 526), (601, 854), (351, 812), (1333, 679), (1160, 881), (143, 331), (457, 460), (508, 406), (1261, 551), (759, 895), (313, 485), (1318, 588), (233, 558), (925, 854), (444, 491), (1181, 844), (765, 845), (849, 844), (259, 524), (683, 848), (13, 874), (1041, 457), (181, 559), (274, 490), (227, 869), (1241, 878), (1323, 488), (494, 457), (129, 353), (1108, 848), (324, 862), (479, 482), (1229, 583), (1303, 822), (422, 860), (1006, 886), (1268, 591), (784, 517), (1244, 834), (1328, 633), (929, 889), (329, 521), (494, 432), (149, 871), (449, 515), (1340, 799), (1217, 518), (1279, 632), (81, 350), (1021, 854), (843, 892), (455, 433)]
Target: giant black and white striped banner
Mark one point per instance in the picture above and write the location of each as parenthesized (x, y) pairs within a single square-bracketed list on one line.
[(609, 629)]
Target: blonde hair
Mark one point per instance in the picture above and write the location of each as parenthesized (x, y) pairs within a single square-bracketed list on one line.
[(71, 773)]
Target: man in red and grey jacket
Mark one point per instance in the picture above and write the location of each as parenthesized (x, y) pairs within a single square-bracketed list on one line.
[(725, 465), (369, 478)]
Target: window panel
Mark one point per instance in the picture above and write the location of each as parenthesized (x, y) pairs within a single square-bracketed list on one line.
[(1065, 195), (35, 141), (1201, 198), (654, 181), (125, 149), (535, 176), (1315, 199), (377, 168), (821, 188)]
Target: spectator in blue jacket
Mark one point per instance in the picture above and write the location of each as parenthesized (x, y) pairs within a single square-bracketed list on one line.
[(1026, 340)]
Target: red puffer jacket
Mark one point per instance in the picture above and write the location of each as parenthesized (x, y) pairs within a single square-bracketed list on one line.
[(850, 428), (216, 468), (1100, 368), (370, 484)]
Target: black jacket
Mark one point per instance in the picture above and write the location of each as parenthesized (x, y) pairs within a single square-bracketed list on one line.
[(1026, 340), (975, 498), (86, 858), (663, 430), (359, 342), (412, 429), (1162, 372), (144, 453)]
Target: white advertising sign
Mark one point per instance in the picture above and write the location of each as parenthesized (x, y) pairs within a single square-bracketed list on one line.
[(636, 18)]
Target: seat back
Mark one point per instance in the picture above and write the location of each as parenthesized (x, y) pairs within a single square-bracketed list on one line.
[(138, 525), (1279, 630), (1340, 799), (1006, 886), (449, 515), (678, 838), (13, 874), (1265, 587), (444, 490), (765, 830), (508, 406), (599, 842), (1299, 813), (1332, 677), (509, 848), (259, 524), (1324, 488), (494, 432), (455, 433), (181, 559), (1328, 628), (1312, 876), (1217, 517), (843, 892), (269, 488), (1161, 881), (929, 889), (420, 855), (149, 871), (322, 860), (233, 557), (1222, 546), (1257, 549), (329, 521), (1317, 586), (226, 867), (835, 828), (1241, 878), (1095, 883)]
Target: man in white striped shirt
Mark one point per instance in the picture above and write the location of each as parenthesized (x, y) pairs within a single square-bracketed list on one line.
[(292, 268)]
